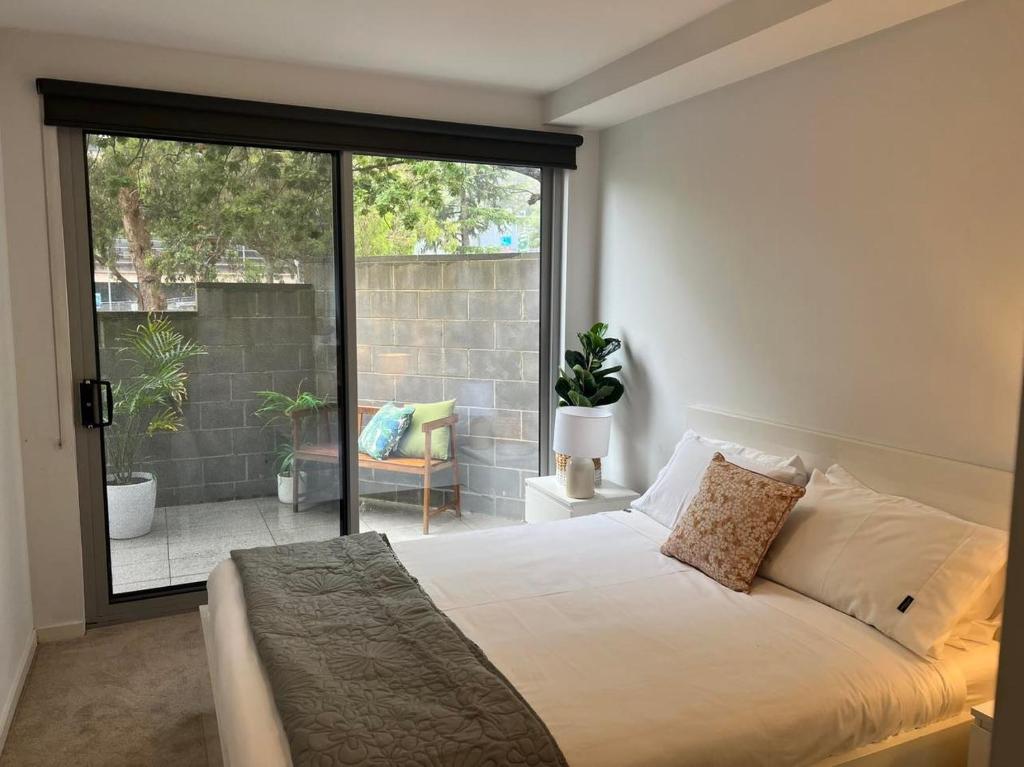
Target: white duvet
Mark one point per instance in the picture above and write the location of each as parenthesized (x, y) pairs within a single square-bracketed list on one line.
[(630, 657)]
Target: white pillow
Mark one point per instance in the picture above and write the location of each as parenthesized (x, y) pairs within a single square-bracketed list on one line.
[(981, 621), (907, 569), (840, 476), (679, 479)]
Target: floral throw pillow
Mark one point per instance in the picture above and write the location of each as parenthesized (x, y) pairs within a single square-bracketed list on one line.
[(384, 431), (731, 522)]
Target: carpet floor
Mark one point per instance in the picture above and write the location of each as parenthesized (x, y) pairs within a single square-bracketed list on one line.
[(134, 694)]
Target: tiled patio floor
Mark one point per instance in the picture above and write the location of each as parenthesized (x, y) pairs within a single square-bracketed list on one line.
[(186, 542)]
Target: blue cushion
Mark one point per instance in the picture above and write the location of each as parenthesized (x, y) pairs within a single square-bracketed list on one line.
[(382, 434)]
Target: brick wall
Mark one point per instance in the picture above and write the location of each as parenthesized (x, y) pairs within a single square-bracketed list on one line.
[(463, 328), (428, 328), (258, 337)]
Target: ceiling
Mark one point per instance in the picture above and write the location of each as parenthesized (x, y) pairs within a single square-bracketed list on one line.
[(533, 45)]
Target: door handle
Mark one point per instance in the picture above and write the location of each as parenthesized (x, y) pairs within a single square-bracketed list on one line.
[(90, 395)]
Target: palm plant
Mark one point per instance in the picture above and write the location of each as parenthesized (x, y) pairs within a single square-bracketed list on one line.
[(277, 408), (584, 382), (148, 397)]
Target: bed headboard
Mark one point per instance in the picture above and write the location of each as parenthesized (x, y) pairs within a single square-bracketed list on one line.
[(976, 493)]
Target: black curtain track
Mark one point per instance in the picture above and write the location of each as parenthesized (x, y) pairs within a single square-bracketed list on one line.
[(115, 109)]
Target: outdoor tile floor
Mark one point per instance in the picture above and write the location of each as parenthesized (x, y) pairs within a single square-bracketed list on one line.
[(186, 542)]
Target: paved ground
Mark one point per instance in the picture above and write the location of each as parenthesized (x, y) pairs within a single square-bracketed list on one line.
[(186, 542)]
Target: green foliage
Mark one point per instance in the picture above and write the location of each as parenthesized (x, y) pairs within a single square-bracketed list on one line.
[(201, 202), (186, 208), (443, 205), (148, 397), (278, 407), (583, 382), (276, 411), (285, 458)]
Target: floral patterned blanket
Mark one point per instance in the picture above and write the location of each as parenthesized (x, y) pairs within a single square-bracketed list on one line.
[(365, 670)]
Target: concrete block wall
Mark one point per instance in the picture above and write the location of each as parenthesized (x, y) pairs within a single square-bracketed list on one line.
[(464, 328), (428, 328), (258, 337)]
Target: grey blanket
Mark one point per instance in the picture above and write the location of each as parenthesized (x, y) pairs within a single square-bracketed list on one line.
[(365, 669)]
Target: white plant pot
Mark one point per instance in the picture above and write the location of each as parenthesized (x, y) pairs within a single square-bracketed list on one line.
[(284, 487), (130, 507)]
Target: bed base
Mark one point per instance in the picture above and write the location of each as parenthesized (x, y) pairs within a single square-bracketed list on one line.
[(943, 744), (211, 662)]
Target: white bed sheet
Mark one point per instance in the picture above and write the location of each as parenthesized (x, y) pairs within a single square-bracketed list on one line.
[(632, 658)]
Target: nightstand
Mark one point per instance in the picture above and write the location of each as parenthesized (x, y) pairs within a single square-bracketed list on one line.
[(981, 734), (546, 500)]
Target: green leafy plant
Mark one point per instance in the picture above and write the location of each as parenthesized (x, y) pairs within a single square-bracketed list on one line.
[(583, 381), (276, 410), (285, 459), (148, 397)]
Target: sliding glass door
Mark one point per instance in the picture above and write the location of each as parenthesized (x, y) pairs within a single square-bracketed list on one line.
[(214, 400), (448, 285), (243, 308)]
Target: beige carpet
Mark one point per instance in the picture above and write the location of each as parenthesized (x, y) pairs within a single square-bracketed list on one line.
[(134, 694)]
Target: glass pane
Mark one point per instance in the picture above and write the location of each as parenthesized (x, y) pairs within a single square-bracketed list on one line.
[(214, 290), (447, 306)]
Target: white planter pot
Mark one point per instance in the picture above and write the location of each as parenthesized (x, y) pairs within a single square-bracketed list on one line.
[(284, 487), (130, 507)]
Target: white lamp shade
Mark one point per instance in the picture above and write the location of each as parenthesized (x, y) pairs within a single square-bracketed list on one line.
[(582, 432)]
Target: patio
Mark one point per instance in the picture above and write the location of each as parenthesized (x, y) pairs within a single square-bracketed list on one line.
[(186, 542), (429, 329)]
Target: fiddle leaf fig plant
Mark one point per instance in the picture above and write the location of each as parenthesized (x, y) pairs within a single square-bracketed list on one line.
[(584, 381)]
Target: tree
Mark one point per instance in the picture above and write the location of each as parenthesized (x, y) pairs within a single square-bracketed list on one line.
[(443, 205), (183, 209)]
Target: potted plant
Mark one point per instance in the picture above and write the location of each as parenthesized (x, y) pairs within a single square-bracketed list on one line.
[(147, 400), (285, 477), (584, 382), (277, 410)]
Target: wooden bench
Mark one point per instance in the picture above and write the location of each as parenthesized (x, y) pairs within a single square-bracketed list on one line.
[(327, 452)]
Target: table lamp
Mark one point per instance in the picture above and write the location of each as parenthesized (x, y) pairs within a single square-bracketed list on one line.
[(582, 433)]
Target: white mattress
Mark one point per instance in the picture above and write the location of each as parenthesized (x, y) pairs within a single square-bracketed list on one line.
[(632, 658)]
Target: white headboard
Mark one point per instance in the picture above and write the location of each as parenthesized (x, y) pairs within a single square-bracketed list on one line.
[(976, 493)]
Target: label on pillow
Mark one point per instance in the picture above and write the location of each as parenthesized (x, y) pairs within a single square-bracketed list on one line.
[(907, 601)]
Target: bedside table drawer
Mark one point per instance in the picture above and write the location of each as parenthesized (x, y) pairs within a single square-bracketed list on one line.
[(546, 500), (980, 743)]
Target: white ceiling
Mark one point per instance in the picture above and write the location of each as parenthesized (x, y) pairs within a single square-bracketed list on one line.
[(534, 45)]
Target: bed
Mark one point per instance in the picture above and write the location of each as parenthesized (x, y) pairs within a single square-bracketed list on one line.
[(574, 614)]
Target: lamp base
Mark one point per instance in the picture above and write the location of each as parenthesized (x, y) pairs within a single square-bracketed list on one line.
[(562, 461), (579, 478)]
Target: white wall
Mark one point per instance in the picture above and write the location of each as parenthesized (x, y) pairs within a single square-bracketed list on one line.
[(580, 250), (837, 244), (16, 634), (49, 472)]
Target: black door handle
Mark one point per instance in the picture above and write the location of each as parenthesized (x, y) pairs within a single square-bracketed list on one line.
[(91, 403)]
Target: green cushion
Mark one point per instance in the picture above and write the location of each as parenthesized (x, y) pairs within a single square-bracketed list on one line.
[(381, 434), (411, 445)]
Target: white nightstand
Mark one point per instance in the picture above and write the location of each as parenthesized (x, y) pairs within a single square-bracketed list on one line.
[(546, 500), (981, 734)]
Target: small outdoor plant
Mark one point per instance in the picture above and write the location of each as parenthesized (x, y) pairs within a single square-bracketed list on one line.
[(149, 394), (584, 382), (276, 410)]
